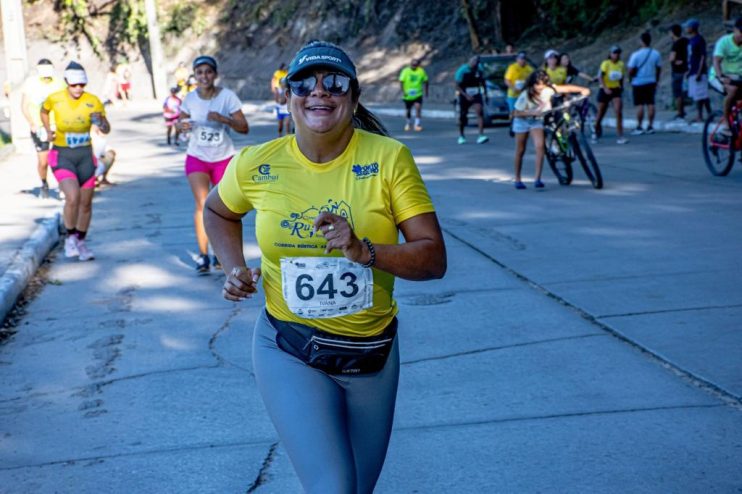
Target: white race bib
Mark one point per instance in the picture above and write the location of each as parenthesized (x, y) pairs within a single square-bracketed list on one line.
[(472, 91), (615, 75), (520, 84), (74, 140), (323, 287), (208, 136)]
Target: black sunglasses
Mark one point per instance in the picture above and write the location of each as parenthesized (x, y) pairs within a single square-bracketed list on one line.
[(335, 84), (80, 84)]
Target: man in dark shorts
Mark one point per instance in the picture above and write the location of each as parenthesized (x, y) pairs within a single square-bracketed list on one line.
[(678, 68), (472, 94), (645, 65), (414, 83), (35, 90)]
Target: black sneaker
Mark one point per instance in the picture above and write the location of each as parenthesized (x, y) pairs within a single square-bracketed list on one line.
[(202, 264), (215, 262)]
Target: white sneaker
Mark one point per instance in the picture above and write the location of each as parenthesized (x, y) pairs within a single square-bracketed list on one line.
[(637, 132), (71, 246), (85, 253), (621, 140)]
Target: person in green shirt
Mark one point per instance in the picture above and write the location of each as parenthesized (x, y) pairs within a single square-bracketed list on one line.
[(414, 81), (728, 67)]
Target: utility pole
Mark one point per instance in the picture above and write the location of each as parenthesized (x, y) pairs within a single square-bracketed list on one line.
[(16, 64), (159, 79)]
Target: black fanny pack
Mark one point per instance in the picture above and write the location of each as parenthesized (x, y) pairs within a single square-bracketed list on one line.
[(335, 354)]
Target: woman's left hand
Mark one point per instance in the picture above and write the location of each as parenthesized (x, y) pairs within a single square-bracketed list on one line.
[(217, 117), (340, 235)]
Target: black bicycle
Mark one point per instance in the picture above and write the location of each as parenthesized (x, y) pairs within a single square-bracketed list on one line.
[(566, 142)]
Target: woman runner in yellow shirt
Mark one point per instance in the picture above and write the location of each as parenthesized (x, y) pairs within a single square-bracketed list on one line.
[(71, 160), (330, 202)]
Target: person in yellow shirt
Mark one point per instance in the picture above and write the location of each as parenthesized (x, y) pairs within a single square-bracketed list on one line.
[(414, 82), (612, 75), (330, 202), (279, 74), (34, 92), (557, 73), (71, 158), (515, 78)]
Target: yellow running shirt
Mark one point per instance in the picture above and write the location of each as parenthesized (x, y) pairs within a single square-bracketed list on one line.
[(72, 117), (276, 79), (517, 75), (374, 184), (558, 75), (612, 73), (413, 82)]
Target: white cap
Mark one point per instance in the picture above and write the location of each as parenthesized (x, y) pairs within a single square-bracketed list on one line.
[(75, 76), (551, 53)]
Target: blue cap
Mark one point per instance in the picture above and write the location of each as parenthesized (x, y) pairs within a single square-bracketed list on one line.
[(321, 54), (204, 59), (692, 23)]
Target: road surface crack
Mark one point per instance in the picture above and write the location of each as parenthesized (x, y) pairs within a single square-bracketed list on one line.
[(263, 475)]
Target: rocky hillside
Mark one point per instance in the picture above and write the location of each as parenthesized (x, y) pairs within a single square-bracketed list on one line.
[(251, 38)]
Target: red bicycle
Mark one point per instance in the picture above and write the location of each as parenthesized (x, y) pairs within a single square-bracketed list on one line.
[(720, 145)]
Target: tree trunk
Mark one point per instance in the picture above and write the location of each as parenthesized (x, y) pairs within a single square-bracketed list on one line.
[(497, 36), (476, 41)]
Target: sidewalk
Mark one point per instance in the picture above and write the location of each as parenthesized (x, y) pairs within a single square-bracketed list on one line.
[(29, 226), (664, 120)]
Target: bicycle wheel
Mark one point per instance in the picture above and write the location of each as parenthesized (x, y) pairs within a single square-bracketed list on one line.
[(559, 162), (718, 149), (586, 158), (589, 117)]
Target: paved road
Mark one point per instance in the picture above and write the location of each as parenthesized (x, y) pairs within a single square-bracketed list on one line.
[(582, 340)]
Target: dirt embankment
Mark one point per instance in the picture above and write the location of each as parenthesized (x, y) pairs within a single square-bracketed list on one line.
[(251, 39)]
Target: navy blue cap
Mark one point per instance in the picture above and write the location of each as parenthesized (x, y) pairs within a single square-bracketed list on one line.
[(204, 59), (321, 54), (692, 23)]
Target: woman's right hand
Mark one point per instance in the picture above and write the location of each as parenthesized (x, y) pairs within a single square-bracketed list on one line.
[(241, 283)]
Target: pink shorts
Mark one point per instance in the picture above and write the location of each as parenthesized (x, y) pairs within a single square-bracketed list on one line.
[(214, 169), (74, 164)]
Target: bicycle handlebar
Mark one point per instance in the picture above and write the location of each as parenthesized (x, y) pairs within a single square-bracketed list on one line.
[(567, 104)]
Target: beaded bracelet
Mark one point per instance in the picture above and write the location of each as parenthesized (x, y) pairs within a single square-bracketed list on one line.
[(372, 251)]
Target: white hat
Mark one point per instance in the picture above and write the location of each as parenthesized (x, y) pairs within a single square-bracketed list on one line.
[(551, 53), (75, 74)]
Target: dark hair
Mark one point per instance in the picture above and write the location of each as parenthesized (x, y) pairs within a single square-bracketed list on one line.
[(676, 30), (44, 61), (646, 38), (738, 23), (363, 118), (533, 79)]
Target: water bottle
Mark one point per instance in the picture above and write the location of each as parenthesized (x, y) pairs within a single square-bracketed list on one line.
[(42, 135)]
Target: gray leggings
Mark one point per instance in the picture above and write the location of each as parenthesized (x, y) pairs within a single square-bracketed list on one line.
[(335, 429)]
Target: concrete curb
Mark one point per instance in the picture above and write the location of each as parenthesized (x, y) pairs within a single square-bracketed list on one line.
[(27, 261), (628, 123)]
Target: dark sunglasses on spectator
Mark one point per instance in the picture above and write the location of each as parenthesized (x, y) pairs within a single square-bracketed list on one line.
[(82, 84), (335, 84)]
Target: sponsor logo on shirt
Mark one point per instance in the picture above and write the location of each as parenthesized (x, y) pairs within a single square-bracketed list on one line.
[(301, 225), (363, 172), (264, 174)]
